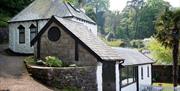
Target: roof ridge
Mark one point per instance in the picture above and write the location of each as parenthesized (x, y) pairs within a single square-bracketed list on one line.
[(68, 8)]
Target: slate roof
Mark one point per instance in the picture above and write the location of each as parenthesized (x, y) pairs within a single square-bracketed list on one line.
[(87, 38), (133, 56), (45, 9)]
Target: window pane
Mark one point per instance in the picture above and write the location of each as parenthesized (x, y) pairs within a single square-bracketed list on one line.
[(148, 71), (124, 75), (32, 35), (142, 73), (22, 35), (33, 32), (130, 74)]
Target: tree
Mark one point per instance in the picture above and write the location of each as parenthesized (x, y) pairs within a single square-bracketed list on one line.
[(159, 52), (168, 27)]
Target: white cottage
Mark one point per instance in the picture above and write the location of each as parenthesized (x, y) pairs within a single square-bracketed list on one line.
[(26, 24)]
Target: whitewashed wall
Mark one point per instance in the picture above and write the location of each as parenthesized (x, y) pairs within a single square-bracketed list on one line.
[(117, 76), (91, 27), (99, 76), (131, 87), (14, 36), (146, 80)]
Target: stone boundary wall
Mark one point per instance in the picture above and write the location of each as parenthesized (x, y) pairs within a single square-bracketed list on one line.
[(83, 78), (163, 73)]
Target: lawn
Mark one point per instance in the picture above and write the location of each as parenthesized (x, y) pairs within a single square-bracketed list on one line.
[(166, 86)]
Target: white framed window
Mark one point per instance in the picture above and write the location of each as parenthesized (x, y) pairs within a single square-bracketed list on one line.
[(128, 75), (21, 34)]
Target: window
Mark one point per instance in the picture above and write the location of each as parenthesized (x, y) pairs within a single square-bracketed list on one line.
[(33, 31), (128, 75), (54, 34), (147, 71), (142, 73), (21, 34)]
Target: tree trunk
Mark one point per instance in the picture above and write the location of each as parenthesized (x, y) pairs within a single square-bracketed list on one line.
[(175, 58)]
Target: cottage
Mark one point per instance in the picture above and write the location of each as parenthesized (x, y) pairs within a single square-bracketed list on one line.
[(26, 24), (78, 45), (74, 43), (56, 28)]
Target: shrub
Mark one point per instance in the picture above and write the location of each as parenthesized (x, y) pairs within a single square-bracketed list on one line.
[(137, 43), (53, 61), (30, 60), (160, 53), (71, 89)]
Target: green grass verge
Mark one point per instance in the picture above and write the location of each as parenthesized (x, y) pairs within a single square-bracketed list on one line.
[(113, 43), (166, 86)]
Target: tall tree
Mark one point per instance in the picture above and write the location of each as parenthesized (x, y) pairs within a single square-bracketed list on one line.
[(168, 28)]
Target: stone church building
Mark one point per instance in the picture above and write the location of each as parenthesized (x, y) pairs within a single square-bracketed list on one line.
[(26, 24)]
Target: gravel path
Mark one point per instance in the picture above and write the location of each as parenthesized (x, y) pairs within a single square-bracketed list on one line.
[(14, 76)]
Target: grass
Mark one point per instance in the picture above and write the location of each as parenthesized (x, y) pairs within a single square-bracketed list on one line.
[(166, 86), (113, 43)]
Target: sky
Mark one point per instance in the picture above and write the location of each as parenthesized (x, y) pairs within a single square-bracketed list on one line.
[(120, 4)]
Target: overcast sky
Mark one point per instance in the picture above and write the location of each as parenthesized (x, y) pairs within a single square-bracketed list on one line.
[(120, 4)]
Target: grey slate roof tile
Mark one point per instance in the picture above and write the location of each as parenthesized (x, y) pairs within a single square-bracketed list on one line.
[(133, 56), (45, 9)]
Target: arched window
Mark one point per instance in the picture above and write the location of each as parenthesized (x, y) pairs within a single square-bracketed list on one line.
[(33, 31), (21, 34)]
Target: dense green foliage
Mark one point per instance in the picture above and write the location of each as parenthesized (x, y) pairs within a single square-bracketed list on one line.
[(161, 54), (50, 61), (30, 60), (135, 21), (165, 25), (8, 8), (53, 62)]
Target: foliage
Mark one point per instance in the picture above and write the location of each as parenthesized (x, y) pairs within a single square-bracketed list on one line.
[(115, 43), (53, 61), (90, 12), (165, 25), (137, 43), (71, 89), (9, 8), (30, 60), (136, 21), (159, 52)]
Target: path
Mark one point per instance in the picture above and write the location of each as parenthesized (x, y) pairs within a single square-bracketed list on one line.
[(14, 76)]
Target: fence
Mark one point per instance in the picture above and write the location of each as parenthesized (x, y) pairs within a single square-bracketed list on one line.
[(163, 73)]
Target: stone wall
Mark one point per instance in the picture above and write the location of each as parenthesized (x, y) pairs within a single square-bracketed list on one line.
[(64, 48), (83, 78)]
